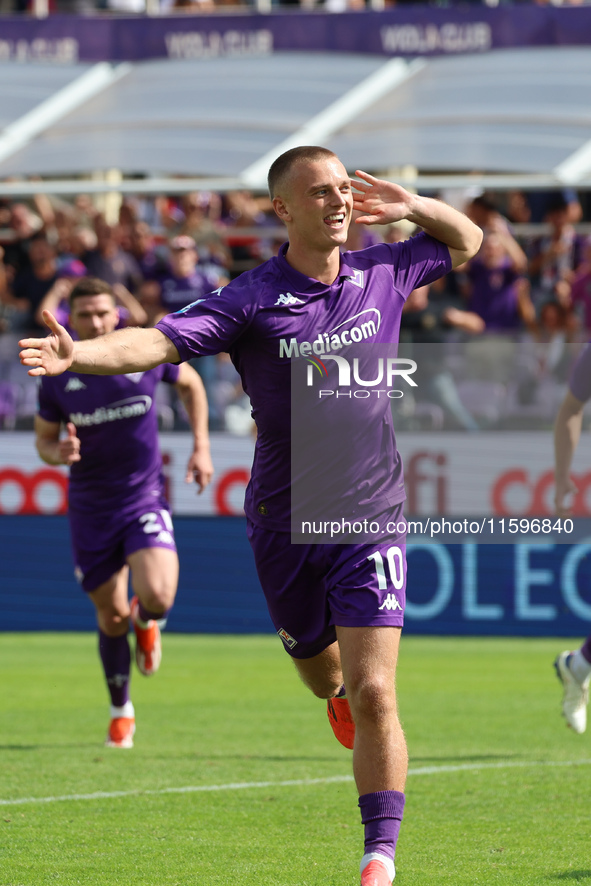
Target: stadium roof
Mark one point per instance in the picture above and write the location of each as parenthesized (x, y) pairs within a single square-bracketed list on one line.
[(511, 118)]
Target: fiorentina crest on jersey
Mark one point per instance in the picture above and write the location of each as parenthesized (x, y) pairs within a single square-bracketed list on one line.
[(289, 641)]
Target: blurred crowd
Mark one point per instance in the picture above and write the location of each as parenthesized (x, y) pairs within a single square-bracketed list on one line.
[(493, 340), (211, 6)]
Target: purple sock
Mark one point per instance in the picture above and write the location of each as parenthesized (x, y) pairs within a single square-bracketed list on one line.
[(381, 813), (586, 649), (146, 615), (116, 659)]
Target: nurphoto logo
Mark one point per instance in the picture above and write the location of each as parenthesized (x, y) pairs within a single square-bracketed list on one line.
[(348, 373)]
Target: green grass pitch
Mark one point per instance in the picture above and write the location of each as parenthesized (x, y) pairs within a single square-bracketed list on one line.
[(498, 792)]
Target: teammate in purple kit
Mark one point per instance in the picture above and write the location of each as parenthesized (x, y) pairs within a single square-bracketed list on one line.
[(337, 608), (119, 518), (572, 667)]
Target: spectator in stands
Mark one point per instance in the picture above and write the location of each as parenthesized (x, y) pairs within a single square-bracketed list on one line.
[(108, 261), (6, 299), (31, 284), (25, 225), (581, 287), (496, 286), (427, 323), (554, 258), (85, 210), (151, 262), (184, 283), (202, 221), (518, 208)]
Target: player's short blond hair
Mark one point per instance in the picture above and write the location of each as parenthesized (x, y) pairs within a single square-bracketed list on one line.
[(283, 165)]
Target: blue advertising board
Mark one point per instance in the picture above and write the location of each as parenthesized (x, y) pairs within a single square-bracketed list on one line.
[(539, 589)]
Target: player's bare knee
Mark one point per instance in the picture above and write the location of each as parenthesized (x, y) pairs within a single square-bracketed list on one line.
[(111, 622), (158, 596), (373, 698), (326, 688)]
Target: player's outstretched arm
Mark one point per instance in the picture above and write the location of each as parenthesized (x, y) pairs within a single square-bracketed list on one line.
[(126, 350), (567, 432), (382, 202), (51, 355), (192, 393)]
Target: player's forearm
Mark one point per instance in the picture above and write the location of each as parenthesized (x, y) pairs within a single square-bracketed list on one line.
[(195, 402), (49, 451), (447, 225), (122, 351)]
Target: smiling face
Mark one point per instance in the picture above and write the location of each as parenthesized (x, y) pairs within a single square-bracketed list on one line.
[(315, 201)]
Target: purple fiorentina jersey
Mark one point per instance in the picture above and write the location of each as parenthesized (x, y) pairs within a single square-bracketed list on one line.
[(118, 429), (580, 378), (494, 295), (273, 315)]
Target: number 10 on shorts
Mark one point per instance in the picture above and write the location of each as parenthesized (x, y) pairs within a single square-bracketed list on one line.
[(395, 561)]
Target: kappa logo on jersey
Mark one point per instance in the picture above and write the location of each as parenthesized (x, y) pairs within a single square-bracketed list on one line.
[(288, 299), (390, 603), (74, 384), (134, 376), (287, 638)]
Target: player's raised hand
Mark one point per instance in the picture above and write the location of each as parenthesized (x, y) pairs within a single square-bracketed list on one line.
[(69, 446), (51, 355), (200, 469), (380, 202)]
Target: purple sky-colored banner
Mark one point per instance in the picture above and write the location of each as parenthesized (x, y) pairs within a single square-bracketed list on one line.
[(402, 31)]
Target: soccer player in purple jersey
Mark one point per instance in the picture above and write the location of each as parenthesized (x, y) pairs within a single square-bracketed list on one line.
[(333, 606), (573, 668), (119, 518)]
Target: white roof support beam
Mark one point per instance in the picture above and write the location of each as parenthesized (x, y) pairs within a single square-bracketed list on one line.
[(83, 88), (317, 130), (575, 167)]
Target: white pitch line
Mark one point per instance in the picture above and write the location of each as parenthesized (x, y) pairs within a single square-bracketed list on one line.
[(295, 782)]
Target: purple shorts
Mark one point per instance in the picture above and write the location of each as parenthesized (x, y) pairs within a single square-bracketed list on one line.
[(102, 541), (311, 588)]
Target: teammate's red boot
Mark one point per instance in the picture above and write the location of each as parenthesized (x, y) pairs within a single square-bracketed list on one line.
[(375, 874), (120, 734), (148, 646), (341, 720)]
